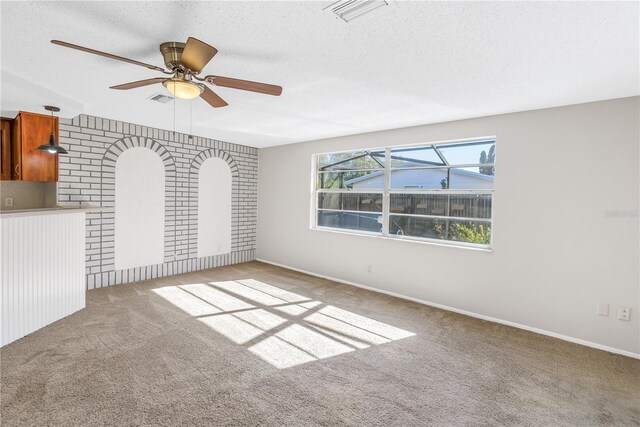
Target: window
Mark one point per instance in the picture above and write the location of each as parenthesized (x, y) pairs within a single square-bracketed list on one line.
[(432, 192), (338, 205)]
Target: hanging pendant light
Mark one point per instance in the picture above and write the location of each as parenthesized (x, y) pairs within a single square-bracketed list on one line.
[(51, 147)]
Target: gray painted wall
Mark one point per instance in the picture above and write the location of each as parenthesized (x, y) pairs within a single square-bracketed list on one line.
[(87, 176), (28, 194), (566, 228)]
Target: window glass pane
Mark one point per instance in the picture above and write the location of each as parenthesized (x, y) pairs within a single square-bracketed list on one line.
[(419, 204), (470, 232), (350, 220), (468, 152), (441, 229), (406, 157), (460, 205), (428, 228), (350, 201), (470, 205), (471, 178), (425, 179), (351, 160), (355, 180)]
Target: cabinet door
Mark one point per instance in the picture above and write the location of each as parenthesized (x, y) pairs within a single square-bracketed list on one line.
[(34, 131), (5, 148)]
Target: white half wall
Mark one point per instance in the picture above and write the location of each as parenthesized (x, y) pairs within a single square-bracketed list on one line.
[(566, 227), (41, 271), (214, 208), (139, 222)]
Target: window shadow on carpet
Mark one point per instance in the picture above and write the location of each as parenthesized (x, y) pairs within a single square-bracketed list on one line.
[(281, 327)]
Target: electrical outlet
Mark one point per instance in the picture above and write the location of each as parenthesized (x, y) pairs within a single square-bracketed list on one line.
[(370, 269), (624, 313), (602, 309), (8, 201)]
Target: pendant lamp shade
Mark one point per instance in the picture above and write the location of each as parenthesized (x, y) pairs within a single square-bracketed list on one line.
[(52, 147)]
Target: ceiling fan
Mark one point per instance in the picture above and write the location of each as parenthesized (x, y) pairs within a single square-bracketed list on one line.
[(184, 61)]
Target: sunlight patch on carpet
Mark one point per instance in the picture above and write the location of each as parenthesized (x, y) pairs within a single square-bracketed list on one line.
[(280, 327)]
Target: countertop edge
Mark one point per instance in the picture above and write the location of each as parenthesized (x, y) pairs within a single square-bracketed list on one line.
[(49, 211)]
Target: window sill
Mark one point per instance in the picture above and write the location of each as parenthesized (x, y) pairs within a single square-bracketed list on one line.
[(418, 240)]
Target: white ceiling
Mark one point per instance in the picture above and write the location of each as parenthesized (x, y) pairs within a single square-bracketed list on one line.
[(406, 64)]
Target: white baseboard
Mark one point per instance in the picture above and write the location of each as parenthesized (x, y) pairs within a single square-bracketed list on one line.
[(465, 312)]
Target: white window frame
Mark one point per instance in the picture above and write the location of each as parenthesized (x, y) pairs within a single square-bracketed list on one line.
[(386, 193)]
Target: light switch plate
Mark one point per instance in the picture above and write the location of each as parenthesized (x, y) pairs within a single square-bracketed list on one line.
[(8, 201), (602, 309)]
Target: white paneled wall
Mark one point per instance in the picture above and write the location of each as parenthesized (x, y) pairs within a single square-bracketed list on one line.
[(42, 271)]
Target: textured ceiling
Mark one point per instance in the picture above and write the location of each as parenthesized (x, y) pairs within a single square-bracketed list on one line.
[(406, 64)]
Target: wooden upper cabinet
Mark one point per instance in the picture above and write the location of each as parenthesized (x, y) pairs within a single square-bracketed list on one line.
[(30, 131), (5, 148)]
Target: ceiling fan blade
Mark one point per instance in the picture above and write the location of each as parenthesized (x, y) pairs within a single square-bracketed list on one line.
[(107, 55), (245, 85), (197, 54), (139, 83), (212, 98)]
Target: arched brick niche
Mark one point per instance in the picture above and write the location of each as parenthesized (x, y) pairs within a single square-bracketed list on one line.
[(87, 176), (194, 170), (107, 197)]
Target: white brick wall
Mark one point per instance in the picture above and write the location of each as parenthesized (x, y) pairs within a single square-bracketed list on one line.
[(87, 175)]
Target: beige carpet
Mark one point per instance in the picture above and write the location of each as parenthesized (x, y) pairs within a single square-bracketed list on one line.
[(254, 344)]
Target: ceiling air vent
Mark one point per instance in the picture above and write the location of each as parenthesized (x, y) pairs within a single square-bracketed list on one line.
[(348, 10), (158, 97)]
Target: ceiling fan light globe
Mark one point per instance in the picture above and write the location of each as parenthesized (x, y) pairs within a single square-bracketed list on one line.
[(183, 89)]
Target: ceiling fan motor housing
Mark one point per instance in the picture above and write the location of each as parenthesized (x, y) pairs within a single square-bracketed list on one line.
[(172, 53)]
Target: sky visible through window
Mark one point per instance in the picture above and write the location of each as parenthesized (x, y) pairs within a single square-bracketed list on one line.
[(453, 154)]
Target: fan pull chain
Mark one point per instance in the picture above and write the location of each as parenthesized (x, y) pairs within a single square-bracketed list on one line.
[(191, 120), (174, 117)]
